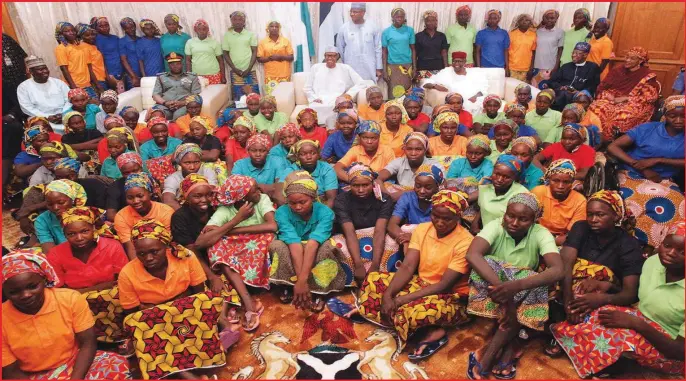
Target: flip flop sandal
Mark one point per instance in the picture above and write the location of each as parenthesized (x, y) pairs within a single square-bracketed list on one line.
[(553, 350), (341, 308), (316, 301), (430, 347), (473, 362), (286, 297), (124, 349), (248, 316), (229, 337), (512, 365), (232, 316)]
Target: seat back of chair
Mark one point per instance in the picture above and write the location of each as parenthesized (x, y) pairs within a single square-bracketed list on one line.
[(148, 84), (299, 80)]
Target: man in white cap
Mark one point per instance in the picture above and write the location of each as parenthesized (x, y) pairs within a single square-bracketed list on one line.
[(330, 79), (359, 42), (43, 95)]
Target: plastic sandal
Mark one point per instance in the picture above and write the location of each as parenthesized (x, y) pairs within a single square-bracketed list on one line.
[(553, 350), (473, 362), (229, 337), (342, 309), (430, 347), (286, 297), (248, 316), (315, 302), (512, 365)]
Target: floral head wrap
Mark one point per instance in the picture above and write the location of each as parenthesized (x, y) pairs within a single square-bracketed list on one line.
[(288, 129), (234, 189), (81, 29), (258, 139), (201, 22), (120, 134), (418, 136), (155, 29), (429, 13), (673, 102), (227, 116), (511, 162), (638, 52), (138, 180), (411, 98), (563, 166), (581, 93), (398, 104), (614, 199), (578, 109), (431, 170), (152, 229), (514, 107), (270, 99), (306, 111), (547, 93), (300, 182), (416, 91), (68, 163), (507, 123), (463, 8), (90, 215), (24, 261), (129, 157), (30, 134), (191, 182), (126, 21), (114, 119), (295, 149), (444, 118), (205, 122), (481, 141), (678, 228), (373, 89), (587, 15), (73, 93), (126, 109), (528, 200), (359, 170), (455, 201), (66, 117), (157, 120), (58, 32), (70, 189), (176, 19), (438, 110), (368, 126), (492, 12), (111, 95), (184, 149), (152, 110), (396, 10), (59, 148), (193, 98), (517, 20), (578, 129), (245, 122), (450, 95), (340, 100), (492, 97), (349, 112), (527, 141), (521, 86), (35, 119), (553, 11), (253, 97)]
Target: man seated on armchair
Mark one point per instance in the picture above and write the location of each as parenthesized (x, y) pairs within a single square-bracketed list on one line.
[(573, 77), (472, 85), (172, 87)]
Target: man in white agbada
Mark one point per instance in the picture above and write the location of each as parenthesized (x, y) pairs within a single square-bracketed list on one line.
[(329, 80), (472, 85), (359, 42), (43, 95)]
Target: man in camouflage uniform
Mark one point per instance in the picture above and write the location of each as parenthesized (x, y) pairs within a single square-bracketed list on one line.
[(172, 87)]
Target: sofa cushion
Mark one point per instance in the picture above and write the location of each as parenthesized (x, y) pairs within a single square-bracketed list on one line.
[(299, 80)]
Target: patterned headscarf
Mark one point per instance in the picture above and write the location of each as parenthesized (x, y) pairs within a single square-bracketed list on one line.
[(396, 10), (547, 93), (94, 21), (578, 109), (340, 100), (205, 122), (193, 98), (514, 107), (481, 141), (673, 102), (59, 148), (455, 201), (614, 199), (157, 120), (30, 134), (155, 29), (492, 12), (73, 93), (507, 123), (463, 8), (373, 89), (258, 139), (185, 149), (289, 128), (24, 261), (581, 93), (252, 97), (450, 95), (66, 117), (586, 14), (359, 170), (517, 20), (129, 157), (126, 109), (398, 104), (90, 215), (444, 118), (438, 110), (349, 112), (58, 32), (245, 122), (368, 126), (111, 95), (418, 136), (639, 53), (492, 97), (268, 99), (191, 182), (578, 129), (528, 200), (233, 190), (553, 11), (417, 92), (81, 29), (300, 182), (70, 189), (227, 116), (411, 98), (68, 163), (122, 134), (295, 149), (201, 22), (138, 180), (35, 119), (306, 111), (114, 119), (126, 21), (511, 162), (678, 228), (176, 19), (152, 229), (431, 170), (527, 141), (563, 166), (153, 110), (429, 13)]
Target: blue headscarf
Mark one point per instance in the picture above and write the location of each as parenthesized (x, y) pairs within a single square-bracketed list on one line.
[(226, 117), (68, 163), (138, 180), (512, 162)]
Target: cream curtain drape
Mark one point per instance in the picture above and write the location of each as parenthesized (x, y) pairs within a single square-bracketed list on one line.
[(35, 22)]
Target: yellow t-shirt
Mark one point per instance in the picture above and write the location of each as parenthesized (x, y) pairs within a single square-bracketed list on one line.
[(394, 139), (76, 58), (601, 49), (438, 148), (282, 47), (522, 47), (559, 216), (379, 161)]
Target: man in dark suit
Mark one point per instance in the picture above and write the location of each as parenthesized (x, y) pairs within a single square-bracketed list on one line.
[(573, 77)]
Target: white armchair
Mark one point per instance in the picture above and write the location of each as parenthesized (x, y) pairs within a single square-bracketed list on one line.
[(497, 84), (291, 99), (214, 97)]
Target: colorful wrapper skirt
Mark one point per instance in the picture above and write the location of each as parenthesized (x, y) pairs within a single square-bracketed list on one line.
[(108, 314), (219, 169), (656, 206), (105, 366), (213, 79), (326, 276), (246, 254), (582, 270), (432, 310), (271, 82), (532, 305), (593, 347), (424, 74), (237, 83), (391, 254), (401, 80), (467, 185), (520, 75), (177, 336)]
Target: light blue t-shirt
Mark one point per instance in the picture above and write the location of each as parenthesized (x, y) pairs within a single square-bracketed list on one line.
[(323, 175), (268, 174), (460, 168), (398, 41), (48, 228), (293, 229), (150, 150)]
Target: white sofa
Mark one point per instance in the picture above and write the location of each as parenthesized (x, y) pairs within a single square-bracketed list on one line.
[(214, 97), (497, 84)]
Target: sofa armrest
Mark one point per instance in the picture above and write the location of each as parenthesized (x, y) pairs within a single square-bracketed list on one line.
[(435, 98), (511, 84), (284, 93), (214, 98), (131, 98)]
